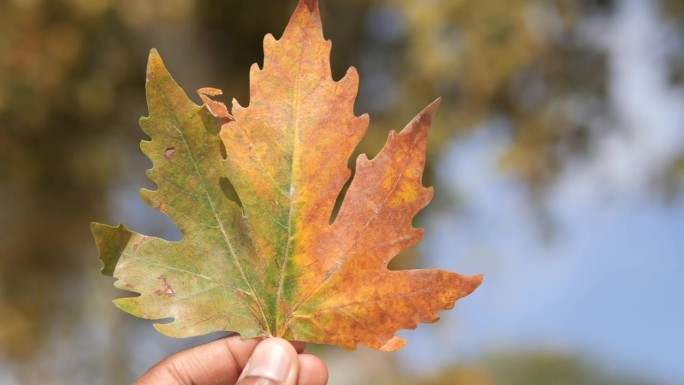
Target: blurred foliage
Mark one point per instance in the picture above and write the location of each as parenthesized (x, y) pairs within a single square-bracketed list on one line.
[(66, 73), (548, 367), (525, 368), (521, 61), (674, 178), (72, 89)]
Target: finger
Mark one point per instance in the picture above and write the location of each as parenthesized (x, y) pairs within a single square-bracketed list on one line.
[(273, 362), (299, 346), (217, 362), (312, 370)]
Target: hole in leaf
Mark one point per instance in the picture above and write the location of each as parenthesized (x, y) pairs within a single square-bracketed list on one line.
[(340, 198), (222, 149), (229, 191), (212, 124), (406, 259), (164, 321)]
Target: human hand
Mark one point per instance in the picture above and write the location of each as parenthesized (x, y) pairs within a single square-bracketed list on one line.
[(269, 361)]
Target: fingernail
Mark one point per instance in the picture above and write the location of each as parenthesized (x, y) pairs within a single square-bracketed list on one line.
[(269, 361)]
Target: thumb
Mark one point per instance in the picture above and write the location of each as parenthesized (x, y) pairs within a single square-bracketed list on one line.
[(273, 362)]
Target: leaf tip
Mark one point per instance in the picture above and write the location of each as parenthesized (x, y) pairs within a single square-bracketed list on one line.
[(420, 125), (394, 344), (154, 62), (477, 280), (153, 56), (311, 4), (306, 13), (469, 284), (431, 109)]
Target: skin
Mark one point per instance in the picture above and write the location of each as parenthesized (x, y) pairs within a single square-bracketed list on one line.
[(270, 361)]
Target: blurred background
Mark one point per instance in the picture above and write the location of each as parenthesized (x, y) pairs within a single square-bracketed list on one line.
[(557, 157)]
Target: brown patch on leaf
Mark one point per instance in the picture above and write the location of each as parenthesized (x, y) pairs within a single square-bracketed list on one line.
[(166, 289), (168, 153)]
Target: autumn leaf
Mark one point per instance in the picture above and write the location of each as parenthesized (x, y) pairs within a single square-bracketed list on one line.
[(253, 197)]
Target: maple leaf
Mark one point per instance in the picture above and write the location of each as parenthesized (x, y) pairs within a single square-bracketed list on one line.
[(253, 197)]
